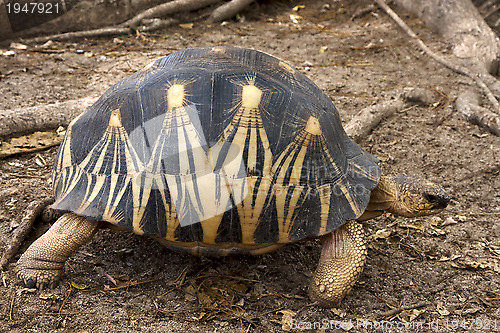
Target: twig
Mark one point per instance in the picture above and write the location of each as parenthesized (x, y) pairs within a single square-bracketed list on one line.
[(32, 211), (130, 285), (454, 67), (228, 10), (57, 313), (65, 299), (11, 310), (401, 309), (490, 291), (168, 8)]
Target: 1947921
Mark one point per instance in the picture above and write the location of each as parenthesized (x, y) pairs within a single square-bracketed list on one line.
[(32, 8)]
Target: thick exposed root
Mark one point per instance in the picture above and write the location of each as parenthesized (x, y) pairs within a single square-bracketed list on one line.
[(33, 210)]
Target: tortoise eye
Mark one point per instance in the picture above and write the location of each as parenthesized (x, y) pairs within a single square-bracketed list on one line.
[(431, 198), (438, 201)]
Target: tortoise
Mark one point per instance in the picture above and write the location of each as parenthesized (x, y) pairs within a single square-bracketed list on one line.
[(217, 151)]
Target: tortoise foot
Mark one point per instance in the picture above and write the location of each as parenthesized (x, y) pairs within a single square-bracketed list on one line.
[(42, 264), (37, 277), (342, 260)]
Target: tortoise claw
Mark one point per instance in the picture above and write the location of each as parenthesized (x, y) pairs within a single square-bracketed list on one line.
[(30, 284), (38, 278)]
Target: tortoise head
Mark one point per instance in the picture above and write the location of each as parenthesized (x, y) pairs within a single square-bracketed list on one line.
[(406, 196), (413, 197)]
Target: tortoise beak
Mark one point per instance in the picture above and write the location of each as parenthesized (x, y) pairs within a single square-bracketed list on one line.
[(438, 200)]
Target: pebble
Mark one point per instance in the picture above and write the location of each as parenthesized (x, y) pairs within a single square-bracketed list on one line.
[(449, 220)]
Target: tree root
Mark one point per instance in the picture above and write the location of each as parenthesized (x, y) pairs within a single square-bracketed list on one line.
[(41, 117), (149, 20), (33, 210), (150, 25), (228, 10), (168, 8), (454, 67), (111, 31), (367, 119), (467, 104)]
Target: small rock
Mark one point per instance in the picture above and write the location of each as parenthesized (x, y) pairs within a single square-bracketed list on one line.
[(435, 220), (449, 220), (18, 46), (48, 44), (9, 53)]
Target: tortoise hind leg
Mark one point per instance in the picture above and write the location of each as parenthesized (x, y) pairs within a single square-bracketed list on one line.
[(42, 263), (342, 259)]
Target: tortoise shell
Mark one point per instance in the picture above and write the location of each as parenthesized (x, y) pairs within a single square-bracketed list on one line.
[(214, 148)]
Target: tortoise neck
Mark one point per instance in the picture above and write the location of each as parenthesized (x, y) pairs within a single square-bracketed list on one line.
[(382, 198)]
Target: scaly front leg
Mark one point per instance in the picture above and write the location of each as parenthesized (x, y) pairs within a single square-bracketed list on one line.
[(342, 260), (42, 263)]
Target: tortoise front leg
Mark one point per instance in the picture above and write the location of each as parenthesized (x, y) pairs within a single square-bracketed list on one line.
[(42, 263), (342, 260)]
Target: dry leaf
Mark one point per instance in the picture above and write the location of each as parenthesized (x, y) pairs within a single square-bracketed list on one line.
[(110, 278), (415, 313), (338, 312), (494, 265), (296, 8), (204, 299), (448, 221), (436, 231), (286, 320), (45, 295), (78, 286), (416, 226), (190, 293), (467, 311), (442, 310), (456, 256), (323, 49), (380, 234), (186, 25), (295, 18)]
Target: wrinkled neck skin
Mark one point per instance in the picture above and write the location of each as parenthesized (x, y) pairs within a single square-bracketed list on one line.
[(383, 198), (405, 196)]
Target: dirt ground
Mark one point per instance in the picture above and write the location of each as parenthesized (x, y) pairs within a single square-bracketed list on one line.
[(444, 269)]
